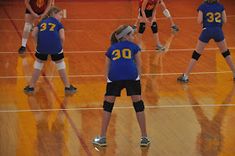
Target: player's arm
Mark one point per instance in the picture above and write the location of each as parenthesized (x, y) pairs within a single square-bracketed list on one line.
[(30, 8), (49, 4), (138, 62), (62, 36), (107, 65), (224, 17), (35, 34), (200, 17), (145, 2)]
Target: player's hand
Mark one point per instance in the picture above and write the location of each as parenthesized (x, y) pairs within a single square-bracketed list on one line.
[(35, 15)]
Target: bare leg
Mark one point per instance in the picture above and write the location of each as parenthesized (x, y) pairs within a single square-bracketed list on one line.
[(140, 116), (36, 74), (63, 74), (199, 48), (223, 47), (106, 116), (29, 19)]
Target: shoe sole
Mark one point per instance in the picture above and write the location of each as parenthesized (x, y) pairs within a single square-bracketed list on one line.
[(145, 145), (100, 145)]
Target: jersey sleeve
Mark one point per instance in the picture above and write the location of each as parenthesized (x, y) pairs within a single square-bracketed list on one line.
[(200, 8), (136, 49), (222, 7), (108, 53), (60, 26)]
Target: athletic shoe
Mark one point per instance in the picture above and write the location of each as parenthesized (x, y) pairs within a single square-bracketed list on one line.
[(99, 141), (183, 78), (175, 28), (144, 142), (160, 48), (70, 90), (29, 90), (22, 50)]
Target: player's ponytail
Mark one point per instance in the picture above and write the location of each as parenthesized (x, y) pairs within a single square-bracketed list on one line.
[(120, 33), (211, 1)]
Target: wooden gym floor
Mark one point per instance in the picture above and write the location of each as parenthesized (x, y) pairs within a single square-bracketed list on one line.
[(196, 119)]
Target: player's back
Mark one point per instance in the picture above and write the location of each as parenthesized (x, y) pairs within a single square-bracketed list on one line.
[(122, 56), (212, 14), (48, 36)]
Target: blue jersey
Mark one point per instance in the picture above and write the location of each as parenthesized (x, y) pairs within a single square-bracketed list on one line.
[(122, 56), (212, 14), (48, 36)]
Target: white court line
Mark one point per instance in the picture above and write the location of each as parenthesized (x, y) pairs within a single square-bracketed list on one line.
[(101, 108), (112, 19), (103, 51), (101, 75)]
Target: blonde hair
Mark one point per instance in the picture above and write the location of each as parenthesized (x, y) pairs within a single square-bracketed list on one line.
[(53, 10), (118, 31)]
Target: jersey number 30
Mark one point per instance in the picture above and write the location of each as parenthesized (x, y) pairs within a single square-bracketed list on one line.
[(214, 17), (44, 26), (125, 53)]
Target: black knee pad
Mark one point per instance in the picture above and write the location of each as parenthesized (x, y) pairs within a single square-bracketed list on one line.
[(196, 55), (142, 28), (139, 106), (154, 27), (226, 53), (108, 107)]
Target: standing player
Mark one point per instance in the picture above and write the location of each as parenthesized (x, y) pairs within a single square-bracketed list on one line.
[(212, 16), (147, 15), (166, 13), (34, 9), (49, 36), (123, 71)]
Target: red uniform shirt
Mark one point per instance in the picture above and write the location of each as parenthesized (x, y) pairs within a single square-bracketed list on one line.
[(150, 5), (38, 6)]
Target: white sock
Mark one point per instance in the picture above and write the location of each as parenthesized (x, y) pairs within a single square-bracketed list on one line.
[(24, 41), (186, 76)]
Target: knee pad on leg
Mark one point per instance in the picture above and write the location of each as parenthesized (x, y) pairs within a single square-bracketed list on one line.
[(28, 27), (142, 28), (154, 27), (108, 107), (196, 55), (166, 13), (60, 65), (38, 65), (226, 53), (139, 106)]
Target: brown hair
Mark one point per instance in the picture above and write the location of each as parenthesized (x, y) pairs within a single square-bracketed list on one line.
[(211, 1), (53, 10), (113, 37)]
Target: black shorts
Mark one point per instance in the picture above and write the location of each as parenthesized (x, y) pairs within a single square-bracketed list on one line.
[(133, 87), (54, 57), (28, 12), (148, 13)]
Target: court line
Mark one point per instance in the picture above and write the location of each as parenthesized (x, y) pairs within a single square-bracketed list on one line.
[(116, 19), (76, 131), (101, 108), (103, 51), (101, 75)]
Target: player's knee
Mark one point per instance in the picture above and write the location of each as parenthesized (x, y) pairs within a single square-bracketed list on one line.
[(108, 106), (139, 106), (196, 55), (166, 13), (61, 65), (28, 27), (38, 65), (226, 53), (154, 27), (142, 27)]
